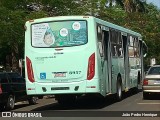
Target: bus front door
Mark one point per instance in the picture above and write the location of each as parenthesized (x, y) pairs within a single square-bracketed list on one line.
[(126, 61), (106, 71)]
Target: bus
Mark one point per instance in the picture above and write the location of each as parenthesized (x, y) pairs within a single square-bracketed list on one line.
[(70, 56)]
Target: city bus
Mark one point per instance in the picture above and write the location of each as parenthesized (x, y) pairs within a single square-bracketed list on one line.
[(70, 56)]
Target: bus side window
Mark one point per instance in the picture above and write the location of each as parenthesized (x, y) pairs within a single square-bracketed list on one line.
[(113, 39), (119, 45), (113, 50), (100, 37), (136, 47), (100, 48), (119, 51), (131, 47)]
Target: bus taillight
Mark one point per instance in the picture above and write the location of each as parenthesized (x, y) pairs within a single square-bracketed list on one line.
[(30, 70), (91, 67), (145, 82)]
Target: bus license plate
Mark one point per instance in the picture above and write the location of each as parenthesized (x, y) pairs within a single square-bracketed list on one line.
[(59, 74)]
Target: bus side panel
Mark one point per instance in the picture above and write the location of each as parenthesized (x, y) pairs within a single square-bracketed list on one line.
[(115, 71), (30, 87), (93, 85), (122, 71)]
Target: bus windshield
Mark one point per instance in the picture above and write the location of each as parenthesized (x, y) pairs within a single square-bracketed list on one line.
[(59, 34)]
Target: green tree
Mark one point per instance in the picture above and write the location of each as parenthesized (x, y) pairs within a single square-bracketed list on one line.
[(133, 14), (12, 18), (129, 5)]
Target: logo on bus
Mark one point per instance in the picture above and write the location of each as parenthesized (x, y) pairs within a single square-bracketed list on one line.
[(42, 75)]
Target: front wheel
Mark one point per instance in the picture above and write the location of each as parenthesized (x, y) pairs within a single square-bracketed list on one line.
[(10, 102)]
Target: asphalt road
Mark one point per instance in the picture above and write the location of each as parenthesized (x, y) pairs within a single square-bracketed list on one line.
[(91, 107)]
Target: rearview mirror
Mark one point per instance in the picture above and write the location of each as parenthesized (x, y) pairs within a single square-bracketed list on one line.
[(145, 49)]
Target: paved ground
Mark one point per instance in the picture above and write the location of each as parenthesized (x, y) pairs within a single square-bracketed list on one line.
[(91, 106)]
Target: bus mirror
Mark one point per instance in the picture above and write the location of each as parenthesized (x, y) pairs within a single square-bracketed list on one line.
[(145, 49)]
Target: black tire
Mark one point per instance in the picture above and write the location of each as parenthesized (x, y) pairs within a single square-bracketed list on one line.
[(119, 89), (32, 100), (139, 78), (10, 103), (145, 95)]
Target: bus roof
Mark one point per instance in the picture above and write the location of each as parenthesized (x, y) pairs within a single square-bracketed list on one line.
[(111, 25), (103, 22)]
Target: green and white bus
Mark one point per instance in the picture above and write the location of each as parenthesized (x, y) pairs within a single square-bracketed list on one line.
[(68, 56)]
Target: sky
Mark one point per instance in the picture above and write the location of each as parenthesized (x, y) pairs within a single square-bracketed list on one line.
[(155, 2)]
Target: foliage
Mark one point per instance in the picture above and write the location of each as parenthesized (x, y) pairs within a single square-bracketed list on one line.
[(133, 14)]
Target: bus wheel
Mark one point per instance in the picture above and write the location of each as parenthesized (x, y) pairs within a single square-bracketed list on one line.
[(119, 89), (10, 102), (66, 99), (139, 78)]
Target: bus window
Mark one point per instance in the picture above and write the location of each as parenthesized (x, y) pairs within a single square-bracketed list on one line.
[(136, 47), (119, 45), (131, 48), (54, 34), (114, 42), (99, 37)]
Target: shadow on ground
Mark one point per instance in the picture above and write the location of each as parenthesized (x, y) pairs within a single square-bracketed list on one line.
[(86, 103), (153, 97)]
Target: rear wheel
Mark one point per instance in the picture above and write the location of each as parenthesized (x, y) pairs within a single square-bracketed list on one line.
[(119, 89), (139, 78), (10, 102)]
